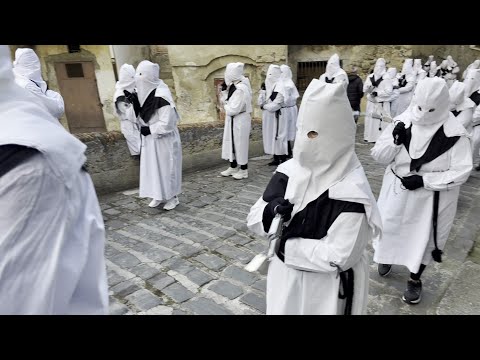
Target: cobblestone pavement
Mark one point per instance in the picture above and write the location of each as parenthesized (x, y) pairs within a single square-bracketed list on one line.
[(190, 260)]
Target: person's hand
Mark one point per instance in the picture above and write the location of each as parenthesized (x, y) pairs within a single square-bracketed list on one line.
[(374, 93), (284, 208), (224, 86), (132, 98), (412, 182), (399, 133), (263, 87), (145, 130)]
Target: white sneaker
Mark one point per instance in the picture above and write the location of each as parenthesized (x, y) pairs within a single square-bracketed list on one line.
[(171, 204), (229, 172), (241, 174), (154, 203)]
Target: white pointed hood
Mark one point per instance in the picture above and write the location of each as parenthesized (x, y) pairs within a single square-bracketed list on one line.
[(333, 67), (458, 100), (234, 73), (25, 121), (322, 162), (27, 66), (451, 62), (392, 73), (286, 86), (273, 77), (147, 79), (126, 81), (407, 67), (433, 69), (380, 68), (472, 81)]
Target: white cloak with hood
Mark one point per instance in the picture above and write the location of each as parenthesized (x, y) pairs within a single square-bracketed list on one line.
[(161, 151), (290, 95), (28, 74), (401, 104), (275, 133), (407, 214), (52, 234), (308, 282), (373, 125), (238, 112), (472, 86), (462, 104), (128, 123), (334, 73)]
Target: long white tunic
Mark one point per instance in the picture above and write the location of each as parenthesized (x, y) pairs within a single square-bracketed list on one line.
[(400, 104), (306, 284), (373, 126), (407, 214), (275, 141), (238, 108), (129, 127), (476, 133), (161, 156)]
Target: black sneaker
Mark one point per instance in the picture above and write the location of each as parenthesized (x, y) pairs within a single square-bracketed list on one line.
[(477, 167), (274, 163), (413, 294), (384, 269)]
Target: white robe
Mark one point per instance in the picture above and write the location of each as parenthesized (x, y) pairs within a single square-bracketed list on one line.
[(274, 142), (161, 156), (306, 284), (52, 246), (407, 215), (401, 104), (290, 113), (52, 100), (340, 77), (129, 126), (373, 126), (476, 134), (239, 106)]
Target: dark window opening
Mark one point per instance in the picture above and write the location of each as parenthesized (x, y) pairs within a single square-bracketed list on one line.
[(74, 70), (73, 48)]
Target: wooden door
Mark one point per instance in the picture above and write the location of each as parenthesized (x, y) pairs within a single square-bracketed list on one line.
[(78, 86)]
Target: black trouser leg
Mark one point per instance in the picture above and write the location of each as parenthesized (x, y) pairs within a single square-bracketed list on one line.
[(418, 274), (233, 164), (244, 167), (290, 153)]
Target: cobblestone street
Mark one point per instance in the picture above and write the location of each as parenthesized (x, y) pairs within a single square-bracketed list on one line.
[(190, 260)]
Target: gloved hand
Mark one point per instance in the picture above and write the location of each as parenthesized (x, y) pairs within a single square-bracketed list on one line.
[(262, 87), (412, 182), (224, 86), (132, 98), (284, 208), (374, 93), (399, 133), (145, 130)]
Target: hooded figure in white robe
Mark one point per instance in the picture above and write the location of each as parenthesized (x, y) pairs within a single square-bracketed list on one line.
[(406, 84), (379, 88), (434, 70), (319, 265), (28, 74), (128, 124), (334, 73), (449, 69), (428, 156), (274, 126), (420, 74), (428, 63), (161, 151), (474, 65), (393, 76), (472, 91), (290, 109), (52, 234), (461, 106), (237, 102)]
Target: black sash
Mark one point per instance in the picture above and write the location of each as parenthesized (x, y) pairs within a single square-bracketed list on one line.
[(13, 155), (402, 82), (327, 80), (475, 97), (439, 144), (376, 83), (151, 104), (455, 112), (274, 95), (231, 90)]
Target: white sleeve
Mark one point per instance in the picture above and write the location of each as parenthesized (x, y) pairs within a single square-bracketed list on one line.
[(367, 86), (236, 104), (476, 116), (460, 168), (166, 121), (261, 97), (344, 245), (407, 88), (60, 108), (385, 150), (275, 104), (385, 91), (255, 217)]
